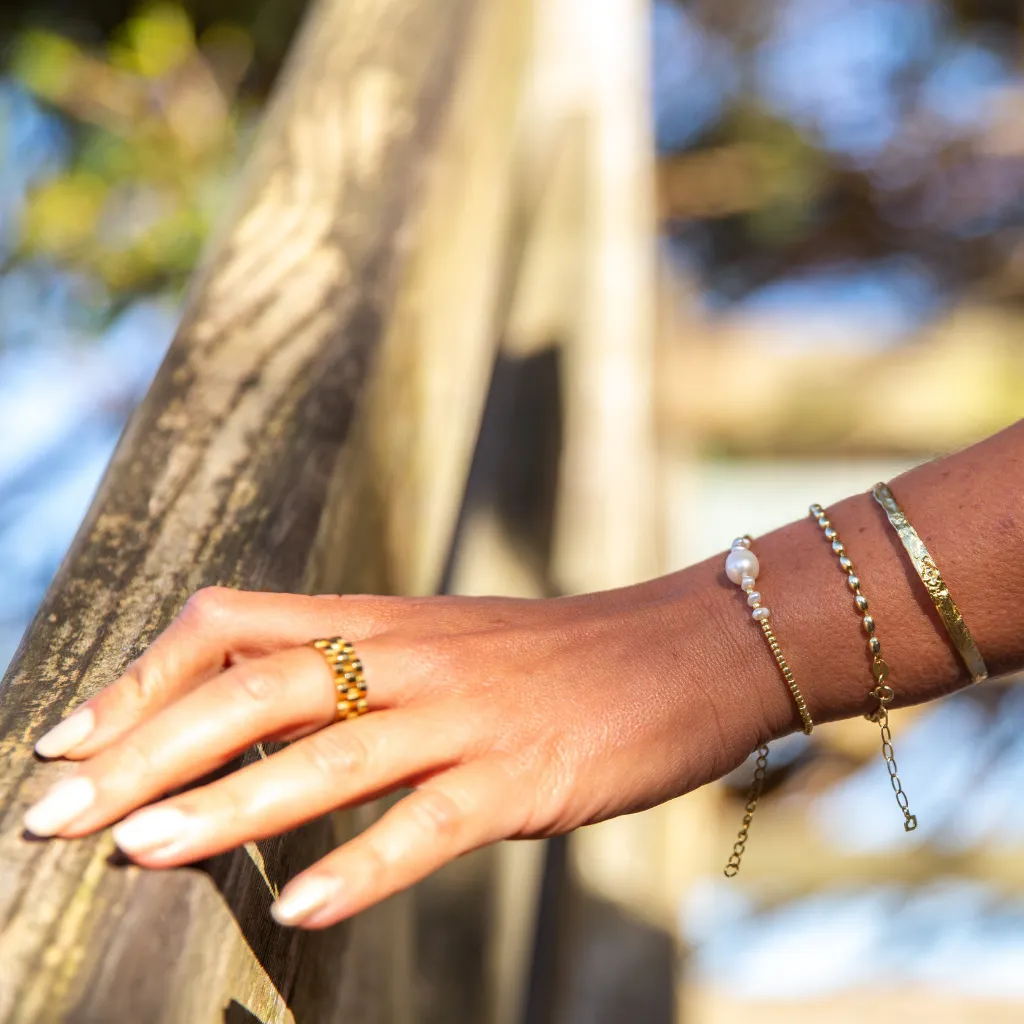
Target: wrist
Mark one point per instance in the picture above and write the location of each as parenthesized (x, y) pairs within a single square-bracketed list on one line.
[(724, 659), (817, 625)]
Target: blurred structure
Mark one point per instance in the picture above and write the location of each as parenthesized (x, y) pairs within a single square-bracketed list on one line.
[(835, 192), (121, 129), (839, 193)]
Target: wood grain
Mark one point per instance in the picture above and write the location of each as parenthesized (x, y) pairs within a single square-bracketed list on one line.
[(308, 431)]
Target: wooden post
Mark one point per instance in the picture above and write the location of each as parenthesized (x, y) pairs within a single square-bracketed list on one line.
[(309, 431)]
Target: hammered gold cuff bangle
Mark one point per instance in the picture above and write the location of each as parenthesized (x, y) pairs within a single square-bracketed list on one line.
[(934, 584)]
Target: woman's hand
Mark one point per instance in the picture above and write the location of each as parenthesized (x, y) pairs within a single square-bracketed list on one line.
[(509, 718)]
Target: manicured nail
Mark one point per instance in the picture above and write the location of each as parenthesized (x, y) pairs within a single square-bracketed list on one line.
[(67, 734), (60, 806), (302, 898), (149, 829)]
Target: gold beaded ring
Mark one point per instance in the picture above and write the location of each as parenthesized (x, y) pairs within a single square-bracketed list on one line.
[(349, 678)]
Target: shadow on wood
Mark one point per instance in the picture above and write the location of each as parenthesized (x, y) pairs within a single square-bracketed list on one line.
[(595, 963), (236, 1013)]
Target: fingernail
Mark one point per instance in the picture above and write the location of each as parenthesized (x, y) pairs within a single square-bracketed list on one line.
[(61, 805), (302, 898), (149, 829), (67, 734)]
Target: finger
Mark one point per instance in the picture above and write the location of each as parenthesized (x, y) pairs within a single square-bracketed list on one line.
[(347, 763), (217, 627), (458, 811), (287, 694)]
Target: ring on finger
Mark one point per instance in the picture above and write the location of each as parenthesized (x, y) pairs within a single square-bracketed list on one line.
[(349, 678)]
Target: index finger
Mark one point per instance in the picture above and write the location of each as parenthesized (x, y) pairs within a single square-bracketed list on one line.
[(217, 628)]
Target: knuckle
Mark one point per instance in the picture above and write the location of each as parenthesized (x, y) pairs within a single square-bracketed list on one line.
[(133, 760), (377, 861), (366, 613), (437, 814), (208, 605), (254, 682), (141, 682), (546, 778), (330, 755), (231, 802)]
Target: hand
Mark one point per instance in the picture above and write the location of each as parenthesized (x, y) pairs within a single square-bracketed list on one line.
[(510, 718)]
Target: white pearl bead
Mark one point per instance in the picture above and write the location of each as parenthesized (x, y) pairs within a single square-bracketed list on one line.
[(741, 542), (760, 614), (748, 583), (740, 563), (753, 598)]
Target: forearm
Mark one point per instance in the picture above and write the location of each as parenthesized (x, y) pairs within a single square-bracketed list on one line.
[(969, 510), (522, 718)]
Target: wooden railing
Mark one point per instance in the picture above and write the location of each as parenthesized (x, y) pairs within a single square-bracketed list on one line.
[(309, 431), (431, 185)]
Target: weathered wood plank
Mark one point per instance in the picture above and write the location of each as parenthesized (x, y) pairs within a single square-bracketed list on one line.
[(309, 430)]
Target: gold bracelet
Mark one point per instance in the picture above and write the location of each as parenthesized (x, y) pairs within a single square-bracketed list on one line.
[(742, 567), (882, 692), (934, 584)]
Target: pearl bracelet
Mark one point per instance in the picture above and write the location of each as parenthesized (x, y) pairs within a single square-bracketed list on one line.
[(743, 568)]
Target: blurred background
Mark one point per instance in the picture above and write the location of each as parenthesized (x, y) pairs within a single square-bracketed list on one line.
[(837, 188)]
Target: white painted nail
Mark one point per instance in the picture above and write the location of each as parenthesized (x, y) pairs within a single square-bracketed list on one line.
[(301, 898), (146, 830), (67, 734), (60, 806)]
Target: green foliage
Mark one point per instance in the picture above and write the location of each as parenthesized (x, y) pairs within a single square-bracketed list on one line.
[(157, 122)]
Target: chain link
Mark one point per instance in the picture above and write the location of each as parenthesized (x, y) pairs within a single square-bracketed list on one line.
[(753, 795), (882, 692), (884, 695)]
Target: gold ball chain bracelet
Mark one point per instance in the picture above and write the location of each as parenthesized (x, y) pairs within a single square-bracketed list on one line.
[(882, 692)]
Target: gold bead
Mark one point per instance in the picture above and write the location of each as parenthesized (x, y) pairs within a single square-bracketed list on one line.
[(869, 624), (837, 546), (352, 694), (343, 708), (862, 603), (853, 582), (846, 563), (876, 645)]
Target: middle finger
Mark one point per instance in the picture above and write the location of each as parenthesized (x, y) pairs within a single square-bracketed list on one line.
[(284, 695)]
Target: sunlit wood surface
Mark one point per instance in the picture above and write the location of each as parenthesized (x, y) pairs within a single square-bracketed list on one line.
[(309, 431)]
